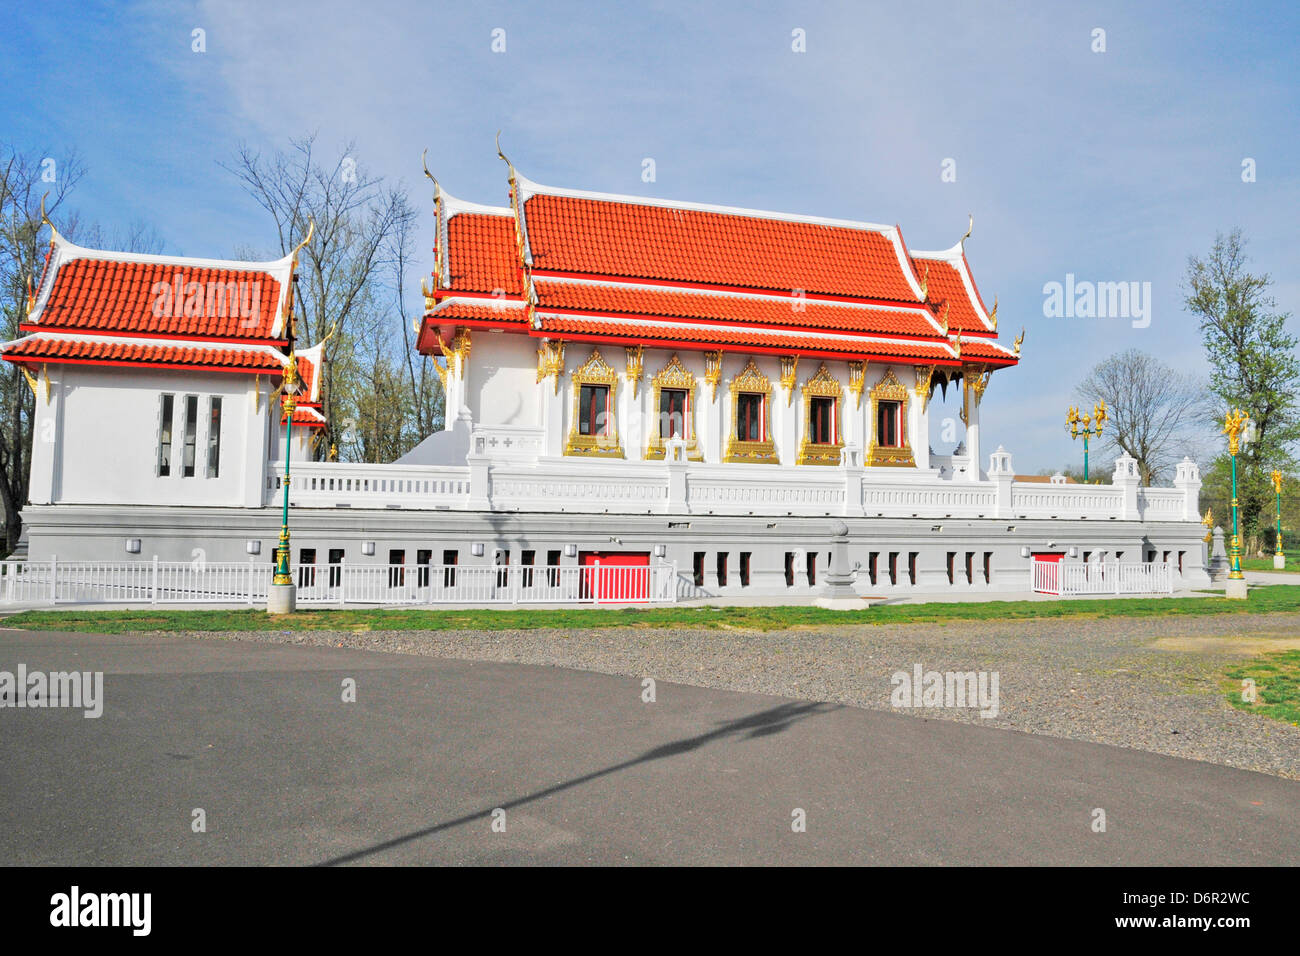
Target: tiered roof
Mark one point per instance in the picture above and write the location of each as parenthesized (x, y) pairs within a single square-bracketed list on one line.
[(133, 310), (585, 266)]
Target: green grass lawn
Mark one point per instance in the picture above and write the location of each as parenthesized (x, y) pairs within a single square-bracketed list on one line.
[(1277, 686), (1266, 564), (1262, 600)]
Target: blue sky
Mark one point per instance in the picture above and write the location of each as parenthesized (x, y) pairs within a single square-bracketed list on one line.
[(1112, 166)]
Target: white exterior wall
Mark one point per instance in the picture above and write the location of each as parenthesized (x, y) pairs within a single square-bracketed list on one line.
[(501, 385), (96, 440)]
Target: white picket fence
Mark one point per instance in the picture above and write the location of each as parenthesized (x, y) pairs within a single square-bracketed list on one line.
[(1110, 577), (187, 582)]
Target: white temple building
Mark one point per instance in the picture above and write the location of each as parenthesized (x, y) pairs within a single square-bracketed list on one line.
[(628, 381)]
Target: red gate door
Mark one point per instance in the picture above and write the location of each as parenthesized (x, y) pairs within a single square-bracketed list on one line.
[(615, 577)]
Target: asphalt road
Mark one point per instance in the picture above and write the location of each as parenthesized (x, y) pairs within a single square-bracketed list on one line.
[(259, 737)]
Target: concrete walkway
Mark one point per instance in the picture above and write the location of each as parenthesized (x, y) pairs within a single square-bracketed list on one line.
[(573, 767)]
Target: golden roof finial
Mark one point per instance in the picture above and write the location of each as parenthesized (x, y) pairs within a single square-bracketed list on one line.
[(969, 229), (993, 316), (45, 220), (438, 251), (925, 283), (1019, 341), (311, 231), (502, 155), (437, 189), (945, 316), (957, 343)]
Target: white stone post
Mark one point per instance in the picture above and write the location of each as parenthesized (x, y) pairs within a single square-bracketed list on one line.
[(1003, 477), (1126, 478), (1187, 478)]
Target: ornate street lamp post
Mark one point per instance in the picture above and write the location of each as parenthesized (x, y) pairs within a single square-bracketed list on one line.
[(1279, 556), (1087, 426), (1237, 427), (281, 598)]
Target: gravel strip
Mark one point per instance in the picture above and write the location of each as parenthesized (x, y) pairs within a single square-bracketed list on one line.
[(1131, 682)]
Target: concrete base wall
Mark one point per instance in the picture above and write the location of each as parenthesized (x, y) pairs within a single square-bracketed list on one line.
[(96, 533)]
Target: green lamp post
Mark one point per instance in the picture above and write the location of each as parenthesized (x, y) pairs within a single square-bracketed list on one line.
[(281, 598), (1279, 556), (1088, 426), (1238, 428)]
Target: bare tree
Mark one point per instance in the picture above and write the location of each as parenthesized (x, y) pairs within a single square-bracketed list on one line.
[(426, 397), (343, 271), (1154, 411), (25, 179)]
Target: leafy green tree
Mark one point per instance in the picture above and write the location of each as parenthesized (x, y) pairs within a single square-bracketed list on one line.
[(1253, 366)]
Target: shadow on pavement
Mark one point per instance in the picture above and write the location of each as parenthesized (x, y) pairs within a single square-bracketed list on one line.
[(765, 723)]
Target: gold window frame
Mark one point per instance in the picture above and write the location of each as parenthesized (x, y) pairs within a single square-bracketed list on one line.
[(752, 381), (674, 375), (822, 385), (889, 389), (595, 371)]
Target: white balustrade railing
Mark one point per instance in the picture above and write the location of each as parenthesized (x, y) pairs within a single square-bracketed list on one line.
[(1033, 500), (765, 489), (1163, 504), (186, 582), (633, 487), (629, 487), (928, 499), (329, 484)]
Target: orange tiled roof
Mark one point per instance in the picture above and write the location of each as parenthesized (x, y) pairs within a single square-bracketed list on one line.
[(986, 348), (479, 309), (107, 295), (628, 266), (945, 285), (600, 237), (481, 254)]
